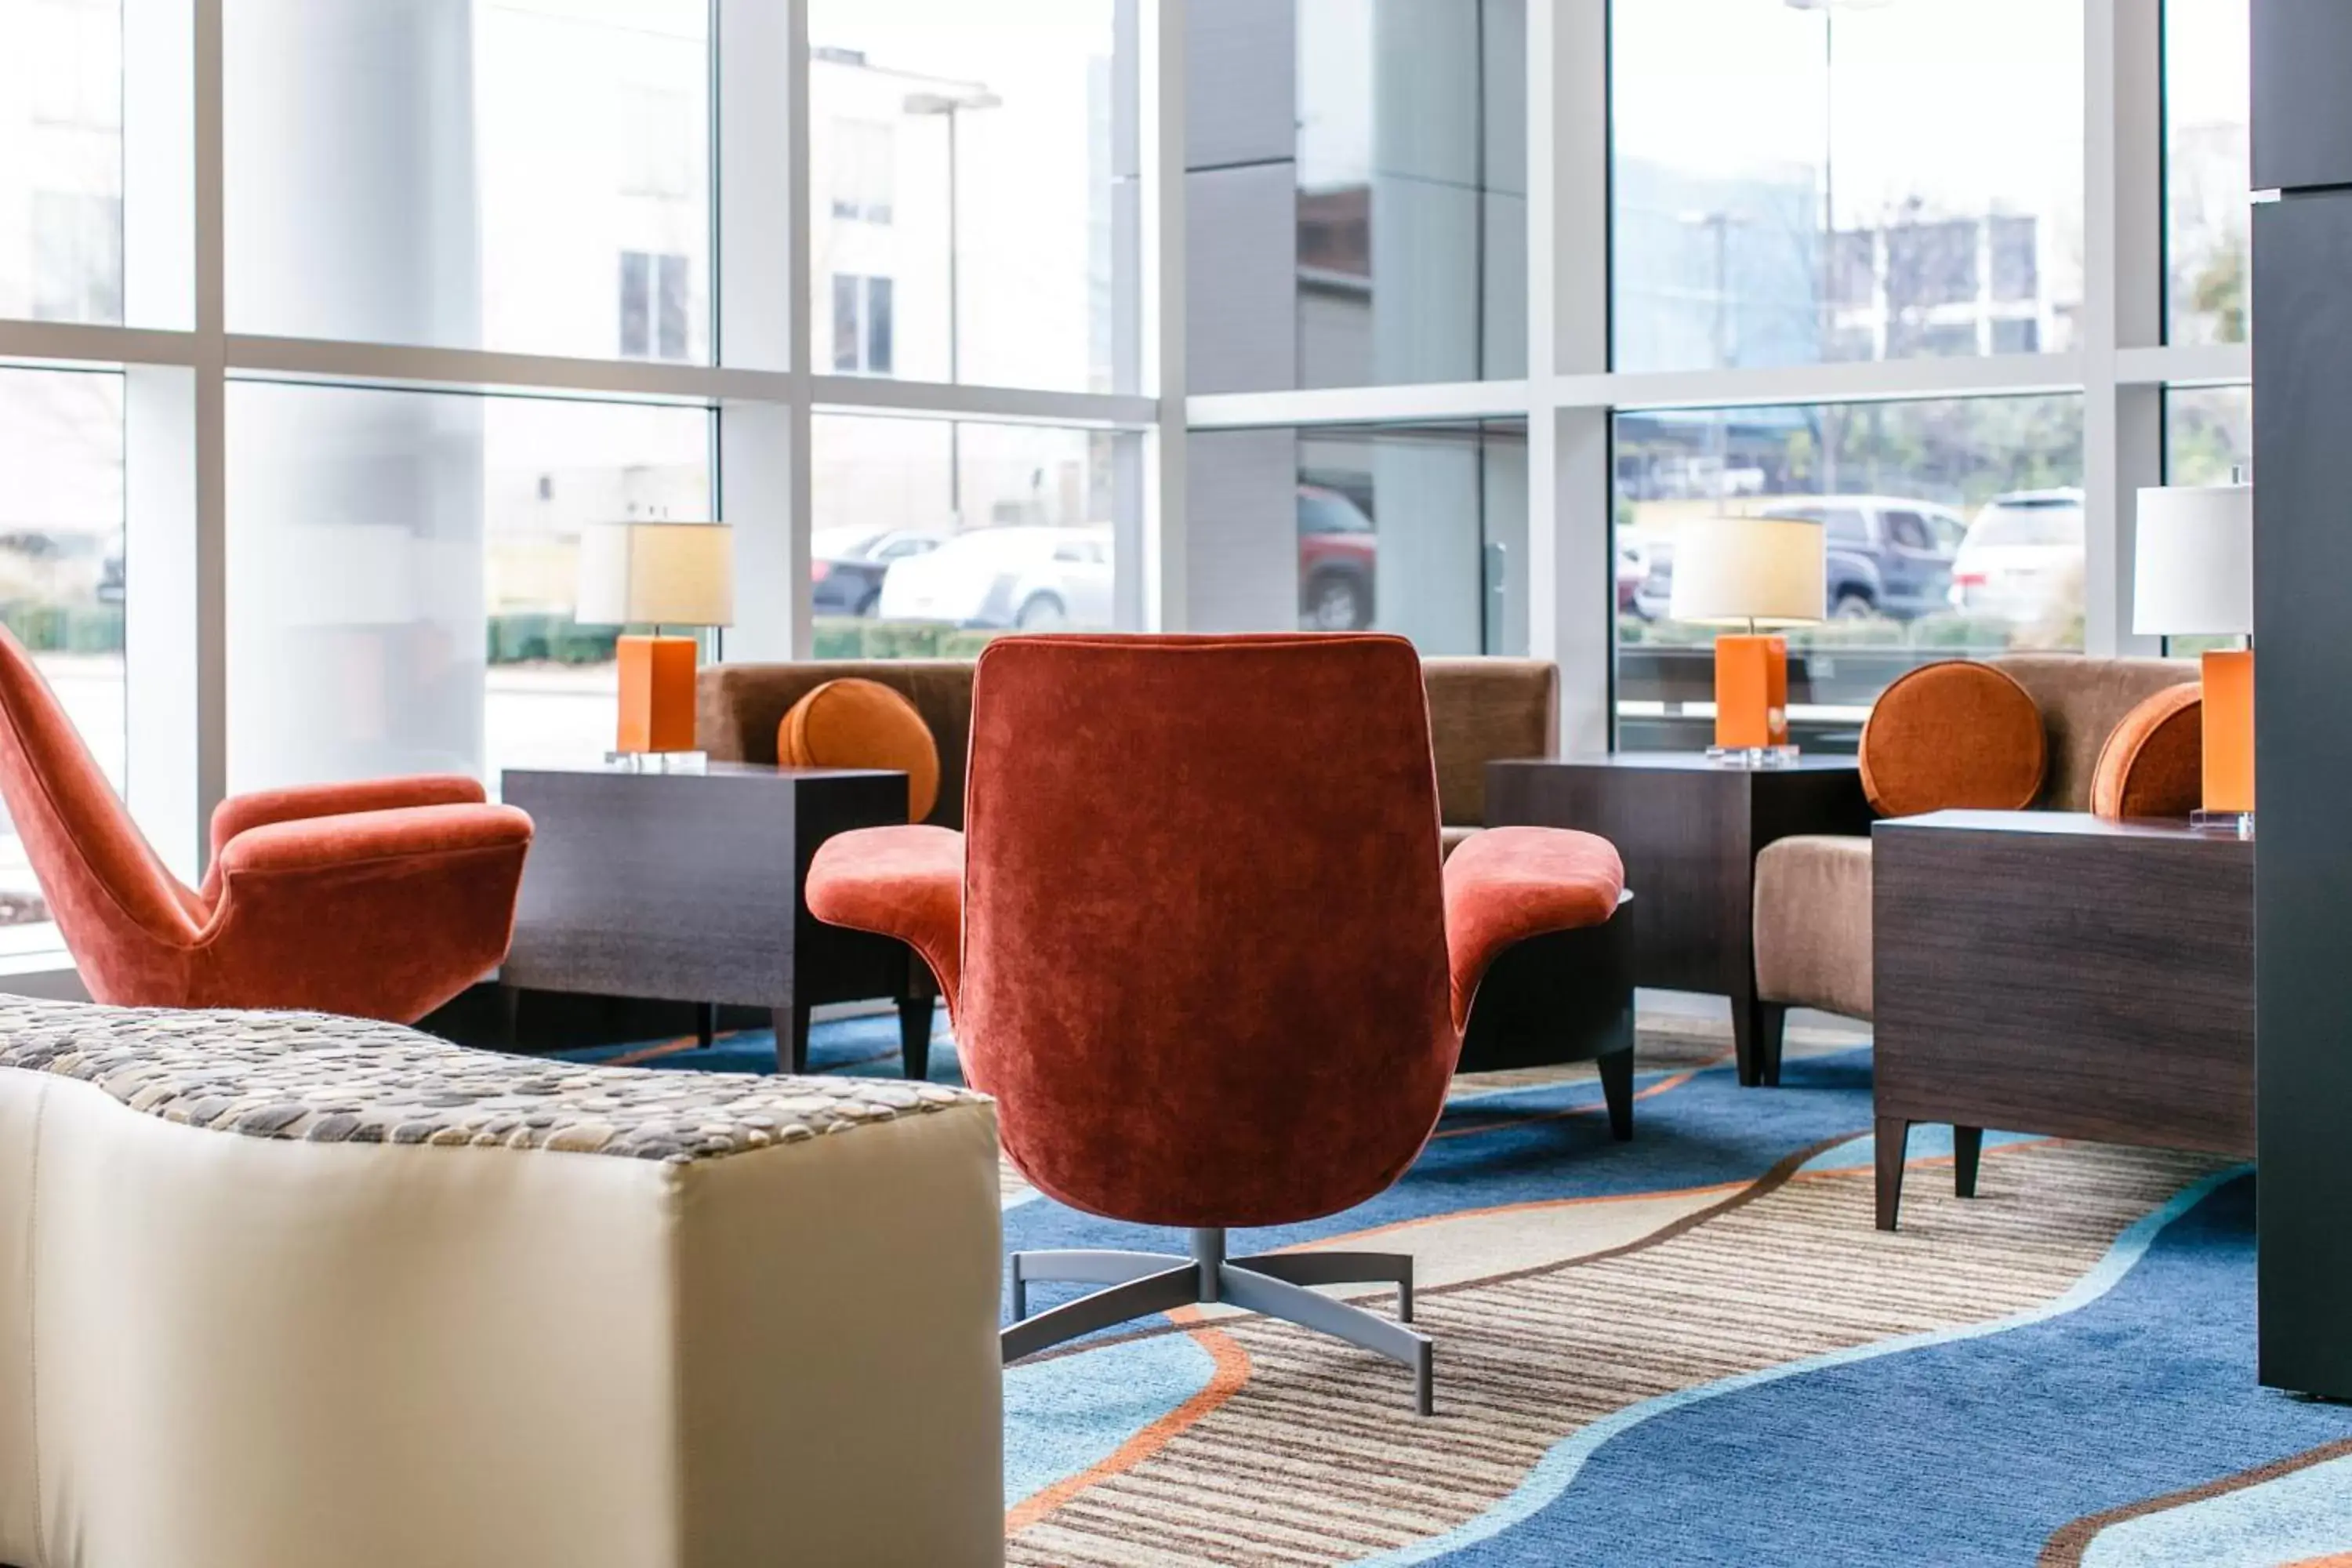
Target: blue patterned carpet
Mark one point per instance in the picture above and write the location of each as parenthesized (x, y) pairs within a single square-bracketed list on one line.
[(1692, 1349)]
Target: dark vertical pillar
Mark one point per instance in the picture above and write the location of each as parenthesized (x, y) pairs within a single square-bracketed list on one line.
[(2303, 612)]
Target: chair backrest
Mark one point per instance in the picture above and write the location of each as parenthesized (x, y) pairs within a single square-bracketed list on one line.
[(739, 706), (1484, 710), (1205, 963), (111, 898), (2082, 701)]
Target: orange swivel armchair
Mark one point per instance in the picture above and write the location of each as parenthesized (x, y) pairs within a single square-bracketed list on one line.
[(380, 900), (1197, 941)]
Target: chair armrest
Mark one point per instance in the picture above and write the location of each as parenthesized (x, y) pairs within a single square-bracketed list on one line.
[(1507, 884), (902, 882), (318, 843), (379, 914), (243, 813)]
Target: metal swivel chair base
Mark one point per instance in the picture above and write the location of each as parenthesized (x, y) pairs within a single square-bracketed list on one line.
[(1273, 1283)]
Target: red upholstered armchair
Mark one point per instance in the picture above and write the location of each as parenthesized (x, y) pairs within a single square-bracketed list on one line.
[(1197, 941), (379, 899)]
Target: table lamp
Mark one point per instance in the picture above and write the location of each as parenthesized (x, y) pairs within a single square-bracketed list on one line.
[(662, 574), (1751, 571), (2193, 576)]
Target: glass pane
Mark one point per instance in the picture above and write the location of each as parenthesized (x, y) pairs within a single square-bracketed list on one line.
[(61, 577), (402, 569), (2206, 83), (2208, 431), (894, 572), (472, 173), (964, 175), (1992, 485), (1815, 181), (1361, 218), (1419, 529), (61, 159)]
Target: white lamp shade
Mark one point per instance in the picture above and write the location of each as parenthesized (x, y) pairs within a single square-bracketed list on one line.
[(2193, 567), (1766, 570), (662, 574)]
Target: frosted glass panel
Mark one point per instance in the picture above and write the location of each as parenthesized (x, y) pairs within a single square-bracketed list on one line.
[(523, 174), (403, 568)]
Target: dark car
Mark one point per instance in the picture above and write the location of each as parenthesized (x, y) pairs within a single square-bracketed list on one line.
[(1885, 556), (109, 577), (1336, 548), (847, 564)]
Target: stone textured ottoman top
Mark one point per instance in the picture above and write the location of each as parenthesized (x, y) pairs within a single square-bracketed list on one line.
[(310, 1076)]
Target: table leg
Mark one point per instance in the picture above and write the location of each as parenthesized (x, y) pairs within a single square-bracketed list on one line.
[(1617, 1089), (1968, 1149), (792, 1037), (1894, 1134), (914, 1037)]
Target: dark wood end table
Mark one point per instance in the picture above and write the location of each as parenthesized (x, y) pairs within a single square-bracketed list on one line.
[(688, 886), (2048, 973), (1688, 830)]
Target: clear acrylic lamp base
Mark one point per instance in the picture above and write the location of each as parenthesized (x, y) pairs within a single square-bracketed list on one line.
[(1752, 756), (2227, 824), (659, 762)]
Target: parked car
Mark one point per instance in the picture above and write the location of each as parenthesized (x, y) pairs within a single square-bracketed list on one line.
[(110, 576), (1884, 555), (1033, 578), (847, 564), (2022, 557), (1337, 546), (1632, 570)]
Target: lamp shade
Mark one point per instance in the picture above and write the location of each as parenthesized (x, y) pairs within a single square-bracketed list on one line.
[(2194, 568), (1765, 570), (665, 573)]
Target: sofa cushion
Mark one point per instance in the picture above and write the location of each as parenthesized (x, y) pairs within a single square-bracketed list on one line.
[(1812, 923), (2154, 763), (1483, 710), (739, 708), (1953, 734), (2082, 700), (858, 723)]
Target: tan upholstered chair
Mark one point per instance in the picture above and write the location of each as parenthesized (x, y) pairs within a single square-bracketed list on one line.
[(1813, 893), (1480, 710)]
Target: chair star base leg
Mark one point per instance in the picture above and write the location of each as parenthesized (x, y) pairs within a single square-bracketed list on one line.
[(1275, 1284)]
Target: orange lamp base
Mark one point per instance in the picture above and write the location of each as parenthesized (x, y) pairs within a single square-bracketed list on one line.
[(1751, 693), (656, 694), (2229, 702)]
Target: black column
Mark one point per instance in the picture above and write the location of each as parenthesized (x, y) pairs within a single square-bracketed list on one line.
[(2303, 612)]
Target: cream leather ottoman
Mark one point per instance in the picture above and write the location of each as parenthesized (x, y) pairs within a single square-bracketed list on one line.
[(283, 1289)]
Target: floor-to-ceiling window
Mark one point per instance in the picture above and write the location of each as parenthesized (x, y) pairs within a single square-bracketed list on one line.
[(1434, 316)]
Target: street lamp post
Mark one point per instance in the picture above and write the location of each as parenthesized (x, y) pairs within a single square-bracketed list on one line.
[(948, 106), (1719, 222)]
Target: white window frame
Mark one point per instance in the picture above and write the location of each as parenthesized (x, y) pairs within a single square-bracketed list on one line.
[(763, 387)]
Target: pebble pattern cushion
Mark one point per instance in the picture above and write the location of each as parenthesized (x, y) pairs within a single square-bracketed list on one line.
[(857, 723), (1953, 735), (2154, 764), (313, 1078)]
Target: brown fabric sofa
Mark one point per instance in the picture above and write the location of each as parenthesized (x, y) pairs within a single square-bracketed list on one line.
[(1480, 710), (1813, 893)]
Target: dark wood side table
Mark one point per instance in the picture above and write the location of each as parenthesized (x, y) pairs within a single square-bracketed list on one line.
[(2046, 972), (1688, 830), (688, 886)]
